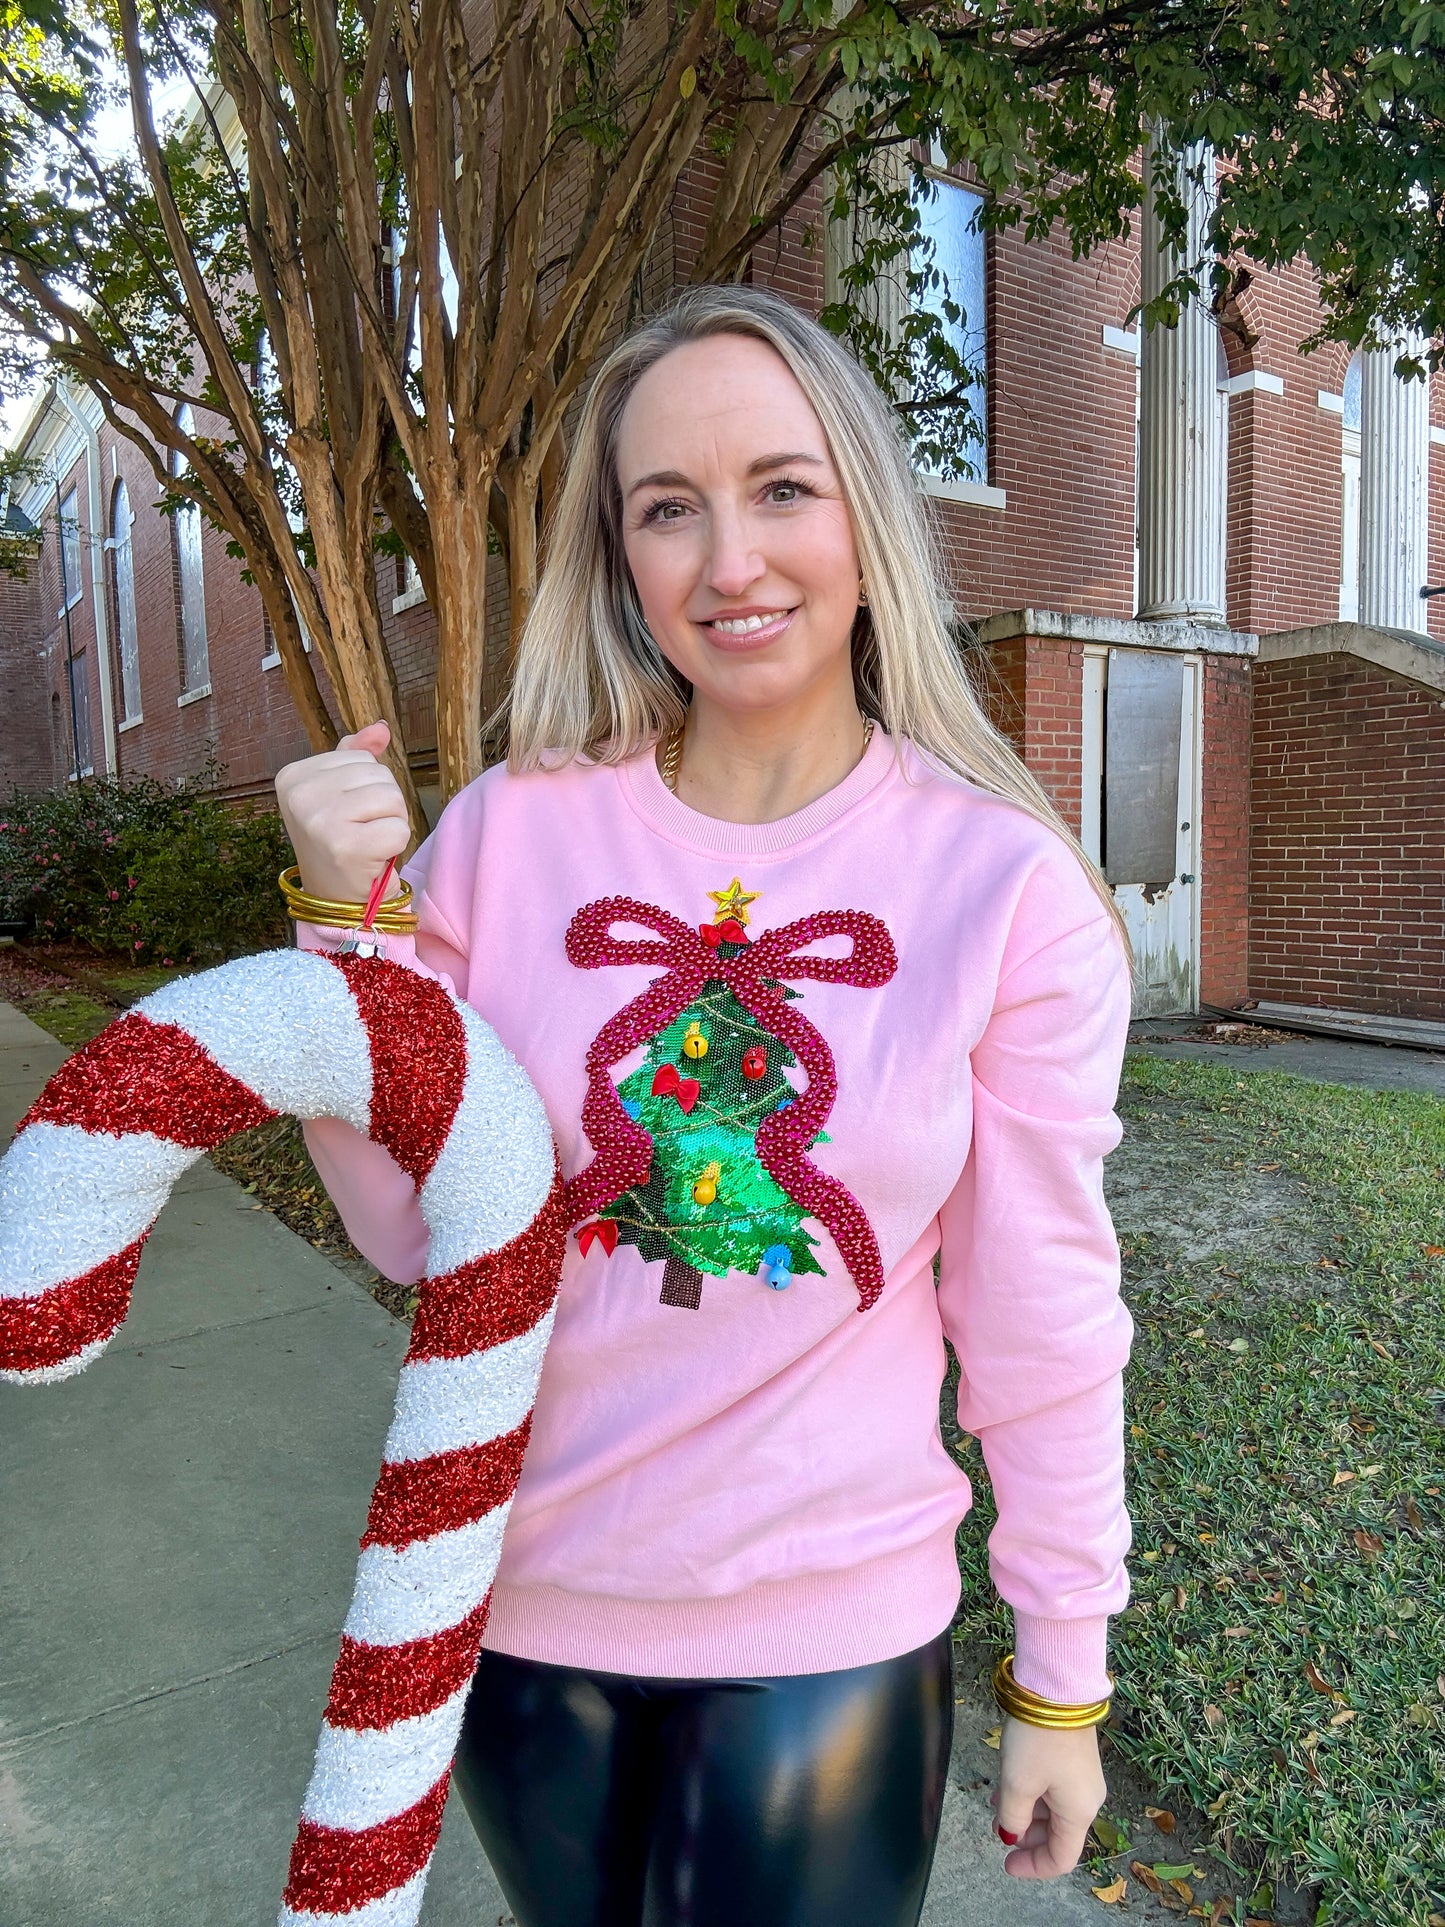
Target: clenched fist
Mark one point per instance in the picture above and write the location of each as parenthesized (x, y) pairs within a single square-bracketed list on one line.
[(345, 814)]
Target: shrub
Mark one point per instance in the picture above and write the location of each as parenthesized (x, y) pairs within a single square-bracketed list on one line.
[(156, 872)]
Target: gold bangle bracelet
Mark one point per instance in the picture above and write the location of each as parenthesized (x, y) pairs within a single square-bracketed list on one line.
[(400, 925), (294, 891), (1034, 1710), (349, 914)]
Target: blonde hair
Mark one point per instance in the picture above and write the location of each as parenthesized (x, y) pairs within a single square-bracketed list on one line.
[(591, 681)]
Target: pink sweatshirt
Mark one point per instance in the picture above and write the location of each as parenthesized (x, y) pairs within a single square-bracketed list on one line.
[(757, 1485)]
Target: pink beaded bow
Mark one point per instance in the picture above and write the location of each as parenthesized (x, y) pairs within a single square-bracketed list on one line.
[(755, 976)]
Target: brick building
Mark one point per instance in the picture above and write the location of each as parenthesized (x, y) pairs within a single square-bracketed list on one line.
[(1181, 557)]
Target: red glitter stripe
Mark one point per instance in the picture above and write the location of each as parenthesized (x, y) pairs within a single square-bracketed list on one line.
[(495, 1297), (141, 1076), (418, 1059), (416, 1498), (54, 1325), (335, 1870), (374, 1686)]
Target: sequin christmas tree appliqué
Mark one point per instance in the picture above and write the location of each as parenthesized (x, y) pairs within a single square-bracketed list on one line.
[(701, 1153)]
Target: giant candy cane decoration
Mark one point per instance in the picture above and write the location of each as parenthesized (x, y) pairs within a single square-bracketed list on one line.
[(395, 1055)]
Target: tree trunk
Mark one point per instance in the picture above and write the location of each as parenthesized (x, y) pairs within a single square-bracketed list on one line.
[(459, 549), (346, 568), (296, 664), (519, 484), (681, 1285)]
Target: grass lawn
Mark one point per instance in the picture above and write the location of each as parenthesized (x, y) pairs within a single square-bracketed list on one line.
[(1282, 1664)]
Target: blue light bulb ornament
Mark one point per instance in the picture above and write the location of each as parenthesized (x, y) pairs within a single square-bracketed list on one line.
[(776, 1267)]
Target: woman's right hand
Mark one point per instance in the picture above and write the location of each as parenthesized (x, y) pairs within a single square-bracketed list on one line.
[(345, 814)]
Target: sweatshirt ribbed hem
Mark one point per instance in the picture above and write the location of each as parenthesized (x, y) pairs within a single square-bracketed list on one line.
[(1063, 1659), (820, 1622), (655, 803)]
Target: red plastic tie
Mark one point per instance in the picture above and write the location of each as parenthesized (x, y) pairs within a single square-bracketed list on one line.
[(373, 902)]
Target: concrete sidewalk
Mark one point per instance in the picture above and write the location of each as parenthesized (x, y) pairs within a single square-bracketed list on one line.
[(179, 1528), (1329, 1060)]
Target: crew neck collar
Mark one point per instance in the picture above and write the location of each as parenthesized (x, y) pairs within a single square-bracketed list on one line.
[(671, 817)]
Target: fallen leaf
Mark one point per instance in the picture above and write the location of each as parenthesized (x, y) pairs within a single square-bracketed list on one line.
[(1148, 1557), (1162, 1818), (687, 82), (1213, 1716), (1236, 1632), (1369, 1543), (1369, 1471), (1171, 1874), (1342, 1478), (1221, 1911), (1115, 1891), (1239, 1344), (1268, 1167), (1412, 1513), (1440, 1684), (1206, 1538), (1109, 1834), (993, 1736), (1433, 1251), (1344, 1718), (1328, 1264), (1376, 1346), (1183, 1889), (1218, 1806), (1147, 1876), (1316, 1678)]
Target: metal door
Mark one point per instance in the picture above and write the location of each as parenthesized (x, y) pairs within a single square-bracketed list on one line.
[(1148, 829)]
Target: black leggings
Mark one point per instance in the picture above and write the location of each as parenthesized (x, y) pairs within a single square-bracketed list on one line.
[(605, 1800)]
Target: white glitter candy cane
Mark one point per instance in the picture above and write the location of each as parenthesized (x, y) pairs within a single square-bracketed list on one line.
[(392, 1053)]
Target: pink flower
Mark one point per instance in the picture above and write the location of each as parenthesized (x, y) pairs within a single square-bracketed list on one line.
[(140, 943), (115, 896)]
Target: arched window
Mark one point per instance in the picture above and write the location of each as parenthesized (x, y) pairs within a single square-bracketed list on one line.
[(123, 579), (190, 571)]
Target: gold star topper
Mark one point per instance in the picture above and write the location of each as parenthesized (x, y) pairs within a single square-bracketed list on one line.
[(731, 902)]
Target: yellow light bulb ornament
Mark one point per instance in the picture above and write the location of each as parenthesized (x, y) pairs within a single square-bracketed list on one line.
[(705, 1190), (694, 1044)]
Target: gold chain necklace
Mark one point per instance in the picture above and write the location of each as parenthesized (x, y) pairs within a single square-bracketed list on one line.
[(672, 755)]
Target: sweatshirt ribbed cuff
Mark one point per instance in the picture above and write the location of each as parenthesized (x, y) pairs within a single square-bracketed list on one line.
[(1062, 1659)]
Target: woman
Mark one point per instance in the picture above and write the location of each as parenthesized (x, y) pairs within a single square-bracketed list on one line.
[(716, 1683)]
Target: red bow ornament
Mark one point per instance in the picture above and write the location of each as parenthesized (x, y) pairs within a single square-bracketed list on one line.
[(604, 1230), (666, 1082)]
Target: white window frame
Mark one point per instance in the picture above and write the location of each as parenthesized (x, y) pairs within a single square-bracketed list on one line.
[(73, 588), (191, 563), (123, 575), (893, 303)]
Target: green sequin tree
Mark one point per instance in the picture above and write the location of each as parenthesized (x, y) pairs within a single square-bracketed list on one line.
[(748, 1222)]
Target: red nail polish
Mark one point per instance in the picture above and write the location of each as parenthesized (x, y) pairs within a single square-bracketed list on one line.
[(1009, 1839)]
